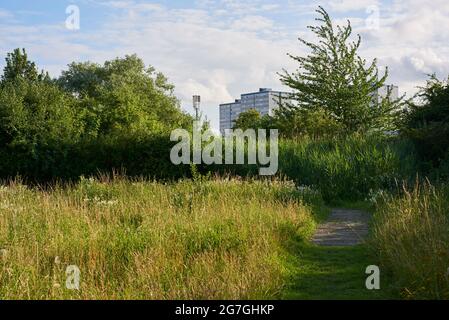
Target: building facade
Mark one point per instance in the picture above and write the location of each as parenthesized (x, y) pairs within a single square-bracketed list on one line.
[(265, 101)]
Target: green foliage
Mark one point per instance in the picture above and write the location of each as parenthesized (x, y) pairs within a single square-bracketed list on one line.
[(135, 156), (427, 122), (316, 124), (411, 235), (37, 123), (149, 240), (335, 82), (124, 96), (250, 119), (347, 168), (93, 118), (19, 67), (443, 169), (33, 113)]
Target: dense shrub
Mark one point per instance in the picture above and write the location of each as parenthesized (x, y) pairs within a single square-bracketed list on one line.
[(427, 122), (133, 155), (33, 113)]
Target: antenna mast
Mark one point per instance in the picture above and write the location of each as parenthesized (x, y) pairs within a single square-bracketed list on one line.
[(196, 106)]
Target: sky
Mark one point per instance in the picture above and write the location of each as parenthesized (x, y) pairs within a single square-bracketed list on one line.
[(222, 48)]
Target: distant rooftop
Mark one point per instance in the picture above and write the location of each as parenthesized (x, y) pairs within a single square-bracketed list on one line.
[(260, 91)]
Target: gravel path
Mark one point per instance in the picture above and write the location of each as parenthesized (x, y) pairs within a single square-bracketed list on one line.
[(344, 228)]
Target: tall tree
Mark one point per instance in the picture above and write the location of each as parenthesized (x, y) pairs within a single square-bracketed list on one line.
[(334, 80), (248, 120), (123, 95), (19, 67)]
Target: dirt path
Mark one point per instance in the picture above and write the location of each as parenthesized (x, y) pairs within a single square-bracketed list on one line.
[(334, 265), (344, 228)]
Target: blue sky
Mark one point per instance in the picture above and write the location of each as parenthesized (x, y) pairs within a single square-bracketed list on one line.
[(221, 48)]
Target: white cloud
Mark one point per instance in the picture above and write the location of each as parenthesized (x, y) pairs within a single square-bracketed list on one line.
[(118, 4), (253, 23), (5, 14), (350, 5), (411, 40), (222, 48), (217, 58)]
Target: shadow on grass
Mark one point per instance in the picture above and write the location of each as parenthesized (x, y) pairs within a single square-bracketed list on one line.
[(333, 273)]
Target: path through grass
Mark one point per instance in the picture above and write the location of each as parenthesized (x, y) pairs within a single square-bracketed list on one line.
[(323, 272), (334, 273)]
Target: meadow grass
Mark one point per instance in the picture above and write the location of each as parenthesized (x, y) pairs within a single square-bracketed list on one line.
[(411, 236), (348, 169), (230, 238), (221, 239)]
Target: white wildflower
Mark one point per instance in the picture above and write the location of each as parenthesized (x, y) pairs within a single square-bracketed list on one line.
[(108, 203)]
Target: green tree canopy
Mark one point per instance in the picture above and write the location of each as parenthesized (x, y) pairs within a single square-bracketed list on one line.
[(250, 119), (335, 81), (19, 67), (427, 120), (124, 96), (33, 113), (313, 123), (94, 117), (33, 109)]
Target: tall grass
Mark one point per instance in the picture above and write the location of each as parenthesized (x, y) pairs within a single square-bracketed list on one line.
[(348, 168), (411, 234), (219, 239)]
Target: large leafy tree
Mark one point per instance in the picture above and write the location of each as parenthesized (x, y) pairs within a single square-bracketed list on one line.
[(94, 117), (250, 119), (33, 109), (335, 82), (36, 113), (19, 67), (124, 96), (38, 122)]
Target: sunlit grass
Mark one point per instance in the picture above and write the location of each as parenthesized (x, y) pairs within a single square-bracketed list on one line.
[(411, 235), (146, 240), (348, 169)]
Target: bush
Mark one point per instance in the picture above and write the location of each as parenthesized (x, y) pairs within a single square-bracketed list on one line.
[(131, 155), (427, 123)]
